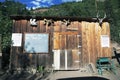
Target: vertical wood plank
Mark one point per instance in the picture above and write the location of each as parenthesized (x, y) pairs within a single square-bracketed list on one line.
[(69, 59), (57, 26), (42, 26), (96, 39), (23, 26), (79, 40), (62, 59), (62, 42), (84, 43), (92, 43), (18, 26), (75, 59), (63, 27), (29, 27), (56, 41)]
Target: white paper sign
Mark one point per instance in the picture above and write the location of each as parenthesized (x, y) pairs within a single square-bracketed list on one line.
[(16, 39), (105, 41)]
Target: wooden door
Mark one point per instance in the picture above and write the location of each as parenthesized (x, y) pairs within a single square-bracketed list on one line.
[(69, 48)]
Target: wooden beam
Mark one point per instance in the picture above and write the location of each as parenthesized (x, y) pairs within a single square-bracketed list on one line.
[(117, 56)]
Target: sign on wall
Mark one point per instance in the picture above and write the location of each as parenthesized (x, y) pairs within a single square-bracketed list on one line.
[(105, 41), (16, 39), (36, 43)]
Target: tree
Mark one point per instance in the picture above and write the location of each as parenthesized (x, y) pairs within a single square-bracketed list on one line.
[(7, 8)]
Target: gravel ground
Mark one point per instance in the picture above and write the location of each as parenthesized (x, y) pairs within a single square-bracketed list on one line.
[(72, 75), (77, 75), (84, 75)]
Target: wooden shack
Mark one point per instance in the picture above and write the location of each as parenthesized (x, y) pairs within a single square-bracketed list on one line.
[(64, 43)]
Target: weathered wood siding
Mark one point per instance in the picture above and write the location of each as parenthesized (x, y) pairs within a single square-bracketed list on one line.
[(91, 41), (81, 40), (18, 54)]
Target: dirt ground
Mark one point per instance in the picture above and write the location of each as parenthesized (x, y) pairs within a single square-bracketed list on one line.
[(81, 75)]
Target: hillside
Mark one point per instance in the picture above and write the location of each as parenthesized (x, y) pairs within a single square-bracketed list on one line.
[(90, 8)]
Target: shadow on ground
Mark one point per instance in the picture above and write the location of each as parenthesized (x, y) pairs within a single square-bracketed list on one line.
[(84, 78)]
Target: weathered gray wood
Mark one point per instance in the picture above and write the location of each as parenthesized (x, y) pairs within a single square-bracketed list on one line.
[(77, 39)]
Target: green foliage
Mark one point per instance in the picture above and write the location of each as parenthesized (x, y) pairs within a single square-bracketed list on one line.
[(89, 8), (6, 29), (82, 9), (7, 8), (13, 8), (113, 10)]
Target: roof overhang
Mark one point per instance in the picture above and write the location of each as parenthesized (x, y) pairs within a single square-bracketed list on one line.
[(56, 18)]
